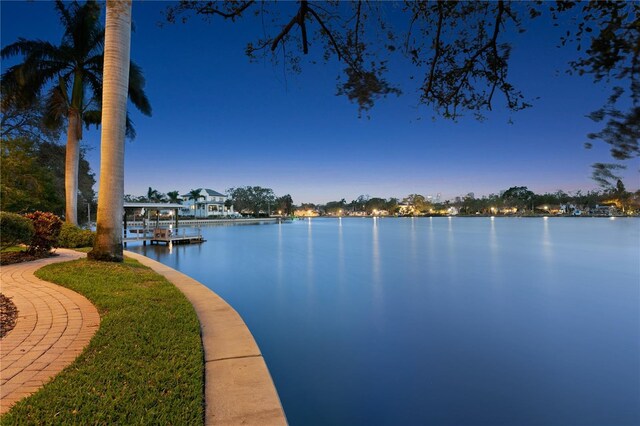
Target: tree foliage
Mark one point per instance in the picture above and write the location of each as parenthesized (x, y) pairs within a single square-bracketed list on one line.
[(194, 195), (284, 204), (336, 207), (458, 45), (174, 197), (70, 73), (69, 76), (14, 229), (32, 177), (155, 196), (26, 185), (254, 200), (25, 123), (418, 202), (33, 164), (460, 49), (518, 196), (608, 36), (604, 174)]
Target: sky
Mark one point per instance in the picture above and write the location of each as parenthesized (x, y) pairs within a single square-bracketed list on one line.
[(221, 121)]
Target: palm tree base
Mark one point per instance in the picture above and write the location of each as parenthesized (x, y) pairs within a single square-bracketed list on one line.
[(104, 256)]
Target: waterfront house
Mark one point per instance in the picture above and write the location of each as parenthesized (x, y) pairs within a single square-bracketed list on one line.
[(306, 213), (599, 210), (210, 203), (569, 208)]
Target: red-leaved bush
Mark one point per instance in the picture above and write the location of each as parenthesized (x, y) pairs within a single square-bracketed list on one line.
[(46, 228)]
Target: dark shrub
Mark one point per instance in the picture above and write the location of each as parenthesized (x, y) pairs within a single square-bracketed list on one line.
[(14, 230), (46, 231), (71, 237)]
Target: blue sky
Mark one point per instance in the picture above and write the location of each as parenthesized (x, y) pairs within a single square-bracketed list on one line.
[(220, 121)]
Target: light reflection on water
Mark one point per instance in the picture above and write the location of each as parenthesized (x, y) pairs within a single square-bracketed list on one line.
[(436, 320)]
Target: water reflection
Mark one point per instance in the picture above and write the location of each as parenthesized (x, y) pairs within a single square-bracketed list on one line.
[(310, 271), (341, 273), (413, 238), (451, 248), (547, 246), (493, 247), (280, 255), (375, 265)]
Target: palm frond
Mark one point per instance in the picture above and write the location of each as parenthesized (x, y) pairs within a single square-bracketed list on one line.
[(136, 89), (63, 12), (43, 62), (79, 54), (131, 131), (56, 106), (81, 29), (23, 83), (93, 116), (94, 82), (32, 48)]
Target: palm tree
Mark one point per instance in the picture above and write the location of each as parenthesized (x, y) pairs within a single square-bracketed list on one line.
[(174, 197), (152, 195), (195, 195), (117, 46), (73, 73)]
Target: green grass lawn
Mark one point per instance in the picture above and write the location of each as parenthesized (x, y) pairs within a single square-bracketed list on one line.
[(143, 366)]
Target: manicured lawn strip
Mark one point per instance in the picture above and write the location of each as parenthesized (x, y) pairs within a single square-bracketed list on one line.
[(143, 366)]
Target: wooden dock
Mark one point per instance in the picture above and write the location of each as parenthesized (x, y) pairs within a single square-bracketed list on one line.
[(162, 236), (187, 239)]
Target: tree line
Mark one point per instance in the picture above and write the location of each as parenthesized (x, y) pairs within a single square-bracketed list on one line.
[(248, 200), (516, 199)]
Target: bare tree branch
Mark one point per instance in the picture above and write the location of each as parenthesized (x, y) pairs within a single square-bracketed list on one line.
[(436, 55)]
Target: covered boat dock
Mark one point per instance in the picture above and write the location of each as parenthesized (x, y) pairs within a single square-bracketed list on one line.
[(155, 234)]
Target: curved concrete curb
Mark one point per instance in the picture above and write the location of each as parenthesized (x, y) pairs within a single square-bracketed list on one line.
[(53, 327), (238, 386)]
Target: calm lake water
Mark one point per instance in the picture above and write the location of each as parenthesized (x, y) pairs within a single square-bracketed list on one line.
[(461, 321)]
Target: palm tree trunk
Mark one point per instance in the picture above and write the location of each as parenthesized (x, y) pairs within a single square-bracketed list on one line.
[(71, 167), (108, 243)]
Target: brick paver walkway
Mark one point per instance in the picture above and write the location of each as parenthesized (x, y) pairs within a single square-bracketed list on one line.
[(54, 325)]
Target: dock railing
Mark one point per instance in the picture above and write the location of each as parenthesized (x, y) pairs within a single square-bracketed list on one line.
[(149, 233)]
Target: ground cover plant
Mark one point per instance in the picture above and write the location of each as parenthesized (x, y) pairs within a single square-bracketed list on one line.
[(143, 366)]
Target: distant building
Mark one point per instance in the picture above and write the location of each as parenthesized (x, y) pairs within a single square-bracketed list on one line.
[(210, 204), (306, 213), (569, 208), (452, 211), (599, 210)]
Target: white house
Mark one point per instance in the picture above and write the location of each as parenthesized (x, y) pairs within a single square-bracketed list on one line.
[(209, 203)]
